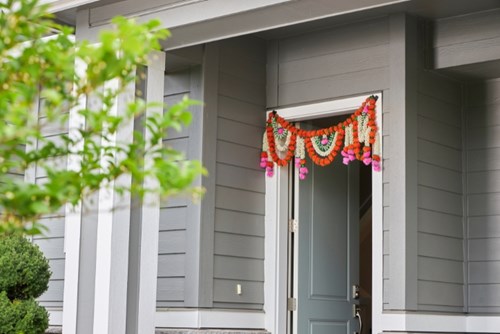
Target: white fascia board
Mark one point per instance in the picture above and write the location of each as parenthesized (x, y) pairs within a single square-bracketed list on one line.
[(60, 5)]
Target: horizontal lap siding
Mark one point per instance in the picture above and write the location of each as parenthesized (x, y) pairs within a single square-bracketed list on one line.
[(240, 184), (52, 242), (334, 63), (440, 195), (340, 61), (483, 195), (174, 211)]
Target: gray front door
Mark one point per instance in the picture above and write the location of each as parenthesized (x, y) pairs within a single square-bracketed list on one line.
[(328, 248)]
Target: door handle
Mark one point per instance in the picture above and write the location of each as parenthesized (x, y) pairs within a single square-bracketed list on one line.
[(357, 314)]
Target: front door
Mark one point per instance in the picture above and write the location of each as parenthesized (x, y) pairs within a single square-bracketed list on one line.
[(327, 263)]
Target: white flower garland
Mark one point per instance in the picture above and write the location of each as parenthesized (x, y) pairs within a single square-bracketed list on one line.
[(363, 130), (283, 147), (265, 144), (376, 145), (300, 149), (328, 151), (349, 137)]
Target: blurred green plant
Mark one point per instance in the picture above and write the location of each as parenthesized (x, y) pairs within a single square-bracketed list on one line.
[(37, 63)]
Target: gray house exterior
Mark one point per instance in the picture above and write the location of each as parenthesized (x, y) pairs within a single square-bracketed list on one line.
[(426, 251)]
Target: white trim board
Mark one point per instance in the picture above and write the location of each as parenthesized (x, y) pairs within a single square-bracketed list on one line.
[(439, 323), (195, 318), (276, 221)]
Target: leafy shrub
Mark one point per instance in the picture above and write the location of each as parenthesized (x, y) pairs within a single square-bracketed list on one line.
[(22, 316), (24, 271), (24, 276)]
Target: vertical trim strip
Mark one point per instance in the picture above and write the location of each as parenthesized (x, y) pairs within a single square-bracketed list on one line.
[(72, 223), (150, 214)]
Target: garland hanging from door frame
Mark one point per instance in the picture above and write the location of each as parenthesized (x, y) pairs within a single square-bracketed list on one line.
[(357, 136)]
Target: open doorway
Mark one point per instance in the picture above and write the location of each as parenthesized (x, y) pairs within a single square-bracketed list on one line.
[(330, 251)]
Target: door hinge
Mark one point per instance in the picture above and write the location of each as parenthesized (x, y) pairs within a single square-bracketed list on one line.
[(293, 226), (292, 304)]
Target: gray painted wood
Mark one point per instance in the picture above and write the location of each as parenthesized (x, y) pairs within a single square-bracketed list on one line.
[(440, 178), (239, 245), (231, 267), (329, 41), (237, 155), (54, 293), (272, 74), (456, 43), (484, 272), (484, 96), (483, 159), (436, 246), (200, 261), (485, 295), (434, 108), (439, 155), (244, 90), (403, 179), (236, 97), (178, 259), (459, 29), (440, 194), (439, 223), (252, 292), (52, 241), (173, 218), (440, 270), (171, 265), (170, 289), (345, 61), (441, 133), (240, 178), (236, 110), (240, 133), (239, 200), (171, 242), (440, 201), (328, 248), (325, 88), (239, 223), (484, 227), (438, 293)]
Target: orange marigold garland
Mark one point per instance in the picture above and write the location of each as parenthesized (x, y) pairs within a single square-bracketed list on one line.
[(356, 138)]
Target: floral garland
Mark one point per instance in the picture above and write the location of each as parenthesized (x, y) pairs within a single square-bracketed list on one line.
[(357, 136)]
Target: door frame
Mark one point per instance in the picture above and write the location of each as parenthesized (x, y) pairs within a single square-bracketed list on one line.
[(276, 222)]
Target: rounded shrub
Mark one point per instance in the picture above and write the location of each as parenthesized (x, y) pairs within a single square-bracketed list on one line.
[(24, 276), (24, 270), (22, 316)]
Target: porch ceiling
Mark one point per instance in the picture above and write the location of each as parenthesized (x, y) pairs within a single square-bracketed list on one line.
[(308, 15), (297, 16)]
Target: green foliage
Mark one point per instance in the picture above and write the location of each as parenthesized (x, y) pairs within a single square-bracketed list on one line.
[(34, 66), (24, 271), (24, 276), (22, 316)]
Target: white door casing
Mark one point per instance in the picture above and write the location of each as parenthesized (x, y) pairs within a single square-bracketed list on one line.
[(275, 290)]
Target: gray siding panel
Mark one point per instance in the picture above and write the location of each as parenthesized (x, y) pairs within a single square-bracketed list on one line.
[(440, 195), (52, 242), (240, 184), (482, 112), (174, 212)]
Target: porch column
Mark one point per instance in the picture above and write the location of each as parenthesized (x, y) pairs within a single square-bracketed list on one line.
[(403, 182), (112, 247), (145, 216)]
